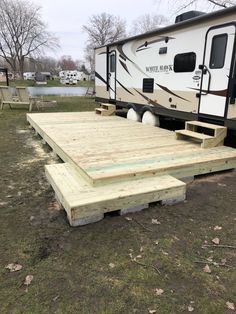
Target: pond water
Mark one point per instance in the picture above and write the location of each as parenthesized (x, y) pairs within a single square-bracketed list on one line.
[(57, 91)]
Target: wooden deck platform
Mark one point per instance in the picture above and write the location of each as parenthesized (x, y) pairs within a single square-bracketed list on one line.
[(85, 203), (113, 150)]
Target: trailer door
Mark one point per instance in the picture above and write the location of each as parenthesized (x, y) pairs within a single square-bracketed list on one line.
[(216, 71), (112, 75)]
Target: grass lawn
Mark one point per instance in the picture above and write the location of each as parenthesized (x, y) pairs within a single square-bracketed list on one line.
[(115, 265)]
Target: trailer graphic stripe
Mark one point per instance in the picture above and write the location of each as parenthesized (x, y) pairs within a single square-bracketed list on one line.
[(170, 92), (150, 101), (163, 38), (141, 49), (125, 67), (222, 93), (126, 89), (120, 49), (100, 77)]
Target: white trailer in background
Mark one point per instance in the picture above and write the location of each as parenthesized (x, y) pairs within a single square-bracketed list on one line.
[(29, 76), (72, 77), (184, 71)]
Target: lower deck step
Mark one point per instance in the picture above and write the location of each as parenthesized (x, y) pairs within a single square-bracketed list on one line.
[(192, 134), (85, 204)]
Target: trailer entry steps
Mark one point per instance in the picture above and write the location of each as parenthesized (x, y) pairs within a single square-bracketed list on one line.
[(85, 204), (106, 109), (195, 130)]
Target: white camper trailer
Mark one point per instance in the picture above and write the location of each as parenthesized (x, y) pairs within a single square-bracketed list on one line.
[(185, 71), (29, 76)]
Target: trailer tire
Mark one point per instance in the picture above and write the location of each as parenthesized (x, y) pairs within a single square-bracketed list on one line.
[(133, 115), (150, 118)]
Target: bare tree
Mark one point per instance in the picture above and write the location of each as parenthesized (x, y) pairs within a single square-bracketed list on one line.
[(104, 28), (208, 5), (178, 6), (67, 63), (148, 22), (22, 33), (90, 57)]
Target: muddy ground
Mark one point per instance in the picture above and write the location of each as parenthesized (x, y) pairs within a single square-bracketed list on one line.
[(116, 265)]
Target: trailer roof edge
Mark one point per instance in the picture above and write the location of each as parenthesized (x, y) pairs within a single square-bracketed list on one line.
[(175, 26)]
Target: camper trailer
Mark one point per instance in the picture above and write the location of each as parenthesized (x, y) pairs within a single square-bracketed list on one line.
[(29, 76), (184, 71)]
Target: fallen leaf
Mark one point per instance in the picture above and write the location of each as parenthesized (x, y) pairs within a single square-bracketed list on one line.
[(55, 298), (164, 253), (13, 267), (139, 256), (28, 280), (210, 259), (152, 311), (207, 269), (159, 291), (216, 241), (230, 305), (190, 308), (111, 265), (216, 228), (128, 218), (155, 222)]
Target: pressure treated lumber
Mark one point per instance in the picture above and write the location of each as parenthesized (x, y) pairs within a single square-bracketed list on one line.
[(106, 109), (111, 149), (111, 163), (83, 202), (192, 131)]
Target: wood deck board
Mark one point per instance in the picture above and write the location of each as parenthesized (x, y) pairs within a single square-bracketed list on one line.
[(103, 151), (81, 199)]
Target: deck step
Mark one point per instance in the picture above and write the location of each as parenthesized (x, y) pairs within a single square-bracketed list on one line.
[(85, 204), (196, 135), (195, 130), (106, 109), (203, 125)]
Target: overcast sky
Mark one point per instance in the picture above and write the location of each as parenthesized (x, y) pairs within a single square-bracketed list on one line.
[(66, 17)]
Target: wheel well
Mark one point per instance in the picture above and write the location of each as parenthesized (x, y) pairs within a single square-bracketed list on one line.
[(147, 108), (130, 105)]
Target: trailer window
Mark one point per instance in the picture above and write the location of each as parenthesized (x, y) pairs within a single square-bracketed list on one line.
[(218, 50), (112, 63), (185, 62), (148, 85)]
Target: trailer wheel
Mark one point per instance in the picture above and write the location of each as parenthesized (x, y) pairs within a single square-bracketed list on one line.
[(133, 115), (150, 118)]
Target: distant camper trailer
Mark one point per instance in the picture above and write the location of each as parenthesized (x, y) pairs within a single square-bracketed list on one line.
[(184, 71), (43, 76), (72, 77), (29, 76), (37, 76)]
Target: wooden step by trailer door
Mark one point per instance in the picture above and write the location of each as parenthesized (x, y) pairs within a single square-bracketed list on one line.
[(216, 71)]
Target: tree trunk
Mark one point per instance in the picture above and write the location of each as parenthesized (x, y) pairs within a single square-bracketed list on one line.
[(21, 67)]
